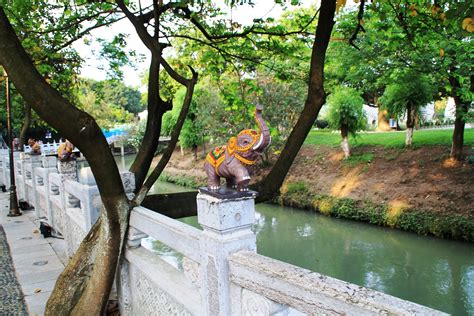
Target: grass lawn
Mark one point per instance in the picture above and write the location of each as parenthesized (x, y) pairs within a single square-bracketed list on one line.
[(390, 139)]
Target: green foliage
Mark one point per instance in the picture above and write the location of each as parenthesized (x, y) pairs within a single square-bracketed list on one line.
[(357, 159), (345, 110), (247, 70), (107, 101), (134, 134), (187, 182), (297, 194), (283, 101), (409, 90), (459, 227), (119, 95), (193, 131)]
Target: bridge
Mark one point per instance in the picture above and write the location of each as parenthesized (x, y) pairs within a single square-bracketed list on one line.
[(217, 271)]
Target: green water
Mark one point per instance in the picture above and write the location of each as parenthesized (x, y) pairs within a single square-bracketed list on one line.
[(429, 271)]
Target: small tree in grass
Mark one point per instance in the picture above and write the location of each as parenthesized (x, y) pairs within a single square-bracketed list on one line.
[(409, 91), (346, 114)]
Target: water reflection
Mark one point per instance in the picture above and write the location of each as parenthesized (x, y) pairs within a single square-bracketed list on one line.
[(429, 271)]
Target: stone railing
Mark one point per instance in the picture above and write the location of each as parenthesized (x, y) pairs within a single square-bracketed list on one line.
[(217, 271), (47, 148), (68, 205), (213, 271)]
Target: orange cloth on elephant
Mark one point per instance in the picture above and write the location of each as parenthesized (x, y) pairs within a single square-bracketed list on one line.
[(64, 151), (216, 157), (35, 149)]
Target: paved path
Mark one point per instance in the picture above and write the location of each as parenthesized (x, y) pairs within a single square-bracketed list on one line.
[(11, 296), (38, 261)]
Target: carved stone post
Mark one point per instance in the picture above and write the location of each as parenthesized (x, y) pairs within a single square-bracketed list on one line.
[(20, 175), (67, 171), (122, 278), (227, 220), (50, 166), (31, 196)]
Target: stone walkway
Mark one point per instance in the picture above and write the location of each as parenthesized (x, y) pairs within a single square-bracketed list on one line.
[(11, 296), (38, 261)]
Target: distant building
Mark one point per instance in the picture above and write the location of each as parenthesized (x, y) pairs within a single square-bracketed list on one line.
[(450, 110), (372, 115), (143, 115)]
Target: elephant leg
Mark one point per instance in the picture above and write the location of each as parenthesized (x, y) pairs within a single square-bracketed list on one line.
[(243, 185), (243, 179), (231, 184), (213, 180)]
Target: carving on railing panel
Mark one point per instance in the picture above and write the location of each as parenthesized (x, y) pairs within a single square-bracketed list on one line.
[(123, 289), (54, 189), (77, 234), (58, 219), (39, 181), (72, 201), (152, 300), (42, 205), (191, 270), (255, 304)]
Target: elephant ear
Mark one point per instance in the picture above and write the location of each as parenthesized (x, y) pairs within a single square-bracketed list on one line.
[(230, 149)]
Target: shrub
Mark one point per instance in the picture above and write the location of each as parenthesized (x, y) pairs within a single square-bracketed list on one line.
[(458, 227)]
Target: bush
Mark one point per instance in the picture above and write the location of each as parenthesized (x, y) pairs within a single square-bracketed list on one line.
[(457, 227), (187, 182), (346, 110)]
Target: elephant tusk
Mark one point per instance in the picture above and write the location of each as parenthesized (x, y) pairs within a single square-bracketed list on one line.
[(260, 141)]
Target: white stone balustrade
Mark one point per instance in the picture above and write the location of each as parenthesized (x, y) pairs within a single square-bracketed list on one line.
[(220, 272), (214, 271), (43, 207), (70, 207)]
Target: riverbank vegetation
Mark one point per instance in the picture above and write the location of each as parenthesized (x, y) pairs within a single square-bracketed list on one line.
[(415, 189), (394, 214)]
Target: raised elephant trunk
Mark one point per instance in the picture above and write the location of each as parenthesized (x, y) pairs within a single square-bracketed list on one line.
[(265, 138), (235, 160)]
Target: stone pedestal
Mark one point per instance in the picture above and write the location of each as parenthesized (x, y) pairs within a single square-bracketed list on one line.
[(31, 196), (227, 223), (49, 161), (67, 171)]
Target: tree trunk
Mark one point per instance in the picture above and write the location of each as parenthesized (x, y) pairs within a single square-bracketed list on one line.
[(146, 152), (174, 139), (345, 141), (26, 126), (459, 122), (409, 137), (88, 294), (410, 125), (141, 165), (195, 152), (382, 122), (269, 187)]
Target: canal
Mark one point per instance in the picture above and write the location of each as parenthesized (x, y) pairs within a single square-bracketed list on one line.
[(429, 271)]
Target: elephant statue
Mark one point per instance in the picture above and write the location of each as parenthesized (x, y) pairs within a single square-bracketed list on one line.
[(234, 160)]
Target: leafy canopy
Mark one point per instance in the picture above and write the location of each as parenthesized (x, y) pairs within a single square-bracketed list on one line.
[(346, 110), (409, 90)]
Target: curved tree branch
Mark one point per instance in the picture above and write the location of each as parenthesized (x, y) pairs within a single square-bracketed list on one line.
[(360, 17), (84, 132), (26, 125), (174, 139)]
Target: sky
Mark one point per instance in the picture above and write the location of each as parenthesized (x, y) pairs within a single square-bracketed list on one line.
[(91, 68)]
